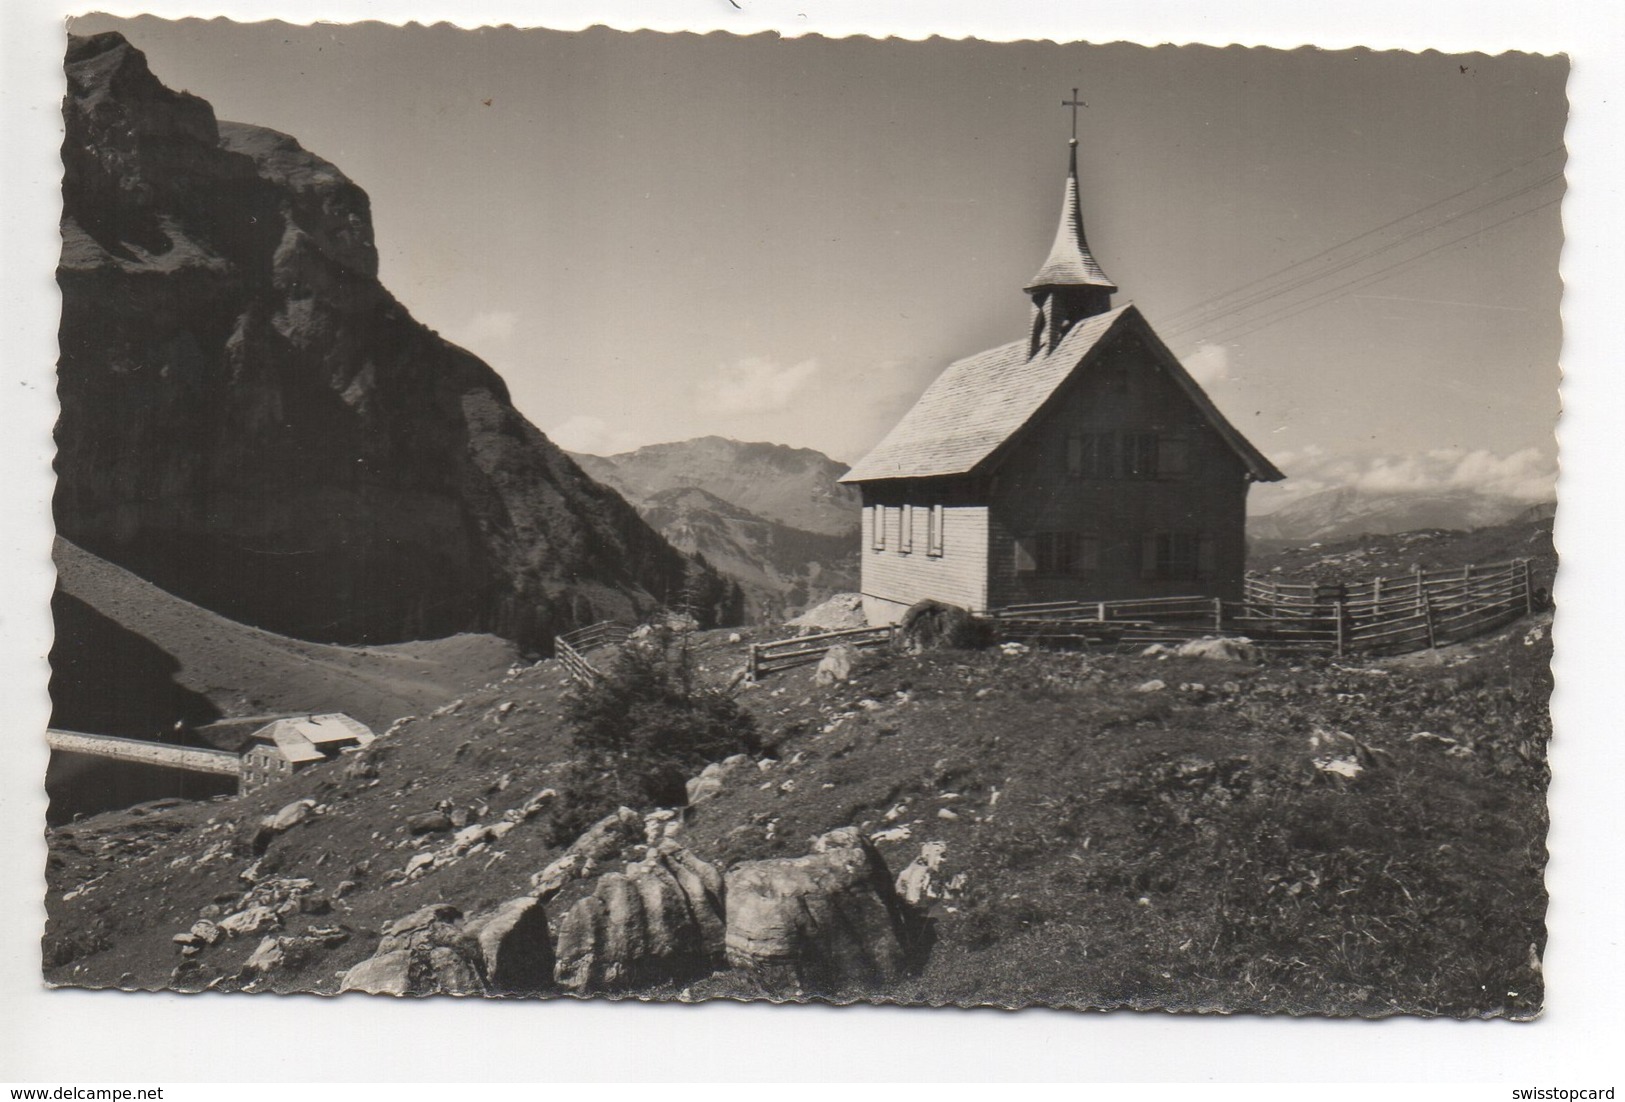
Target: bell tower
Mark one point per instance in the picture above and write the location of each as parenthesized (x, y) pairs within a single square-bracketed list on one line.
[(1071, 285)]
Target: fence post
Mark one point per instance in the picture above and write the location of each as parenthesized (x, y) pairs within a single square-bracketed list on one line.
[(1218, 614), (1100, 612), (753, 665), (1427, 615), (1528, 589), (1341, 620)]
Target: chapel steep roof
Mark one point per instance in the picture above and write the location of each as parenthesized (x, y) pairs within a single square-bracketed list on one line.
[(1070, 262), (980, 404)]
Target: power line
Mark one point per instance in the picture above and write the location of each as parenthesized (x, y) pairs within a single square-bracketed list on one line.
[(1264, 296), (1294, 309), (1197, 308)]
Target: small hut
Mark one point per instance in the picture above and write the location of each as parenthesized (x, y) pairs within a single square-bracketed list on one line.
[(282, 747)]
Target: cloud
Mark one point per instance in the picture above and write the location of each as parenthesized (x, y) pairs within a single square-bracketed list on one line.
[(755, 385), (1209, 363), (1526, 475), (486, 328), (592, 435)]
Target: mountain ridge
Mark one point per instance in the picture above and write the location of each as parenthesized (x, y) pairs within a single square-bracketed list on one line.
[(1347, 511), (251, 421)]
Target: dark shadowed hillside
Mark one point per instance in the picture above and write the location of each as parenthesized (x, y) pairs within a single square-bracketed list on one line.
[(774, 519), (251, 421), (782, 570), (130, 659)]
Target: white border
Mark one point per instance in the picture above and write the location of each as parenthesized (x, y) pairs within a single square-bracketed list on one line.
[(79, 1037)]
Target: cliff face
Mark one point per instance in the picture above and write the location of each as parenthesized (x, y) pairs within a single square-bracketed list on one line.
[(251, 421)]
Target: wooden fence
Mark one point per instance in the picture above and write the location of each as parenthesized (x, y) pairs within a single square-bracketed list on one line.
[(572, 648), (1394, 615), (1428, 608), (805, 649)]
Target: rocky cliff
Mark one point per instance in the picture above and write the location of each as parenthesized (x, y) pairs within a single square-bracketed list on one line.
[(251, 421)]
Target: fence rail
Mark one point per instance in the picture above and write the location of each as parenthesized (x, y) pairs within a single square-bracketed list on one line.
[(1424, 609), (802, 650), (572, 648)]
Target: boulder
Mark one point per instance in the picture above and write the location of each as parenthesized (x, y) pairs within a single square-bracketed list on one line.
[(289, 817), (551, 880), (923, 882), (250, 921), (826, 922), (712, 779), (838, 613), (927, 625), (609, 836), (285, 819), (836, 665), (660, 920), (1218, 649), (1155, 685), (516, 947), (430, 822), (425, 953)]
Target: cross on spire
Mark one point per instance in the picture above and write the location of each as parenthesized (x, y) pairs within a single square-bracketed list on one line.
[(1074, 103)]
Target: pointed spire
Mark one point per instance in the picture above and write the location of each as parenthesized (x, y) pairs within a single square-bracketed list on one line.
[(1070, 263)]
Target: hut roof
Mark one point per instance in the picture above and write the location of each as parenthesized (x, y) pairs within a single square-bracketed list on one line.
[(313, 737)]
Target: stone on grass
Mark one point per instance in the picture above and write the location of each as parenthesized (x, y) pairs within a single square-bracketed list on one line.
[(424, 953), (825, 922), (836, 665), (609, 836), (1218, 649), (516, 947), (660, 920)]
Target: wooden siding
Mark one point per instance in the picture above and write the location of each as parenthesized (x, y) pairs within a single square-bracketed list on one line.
[(1033, 491), (893, 579)]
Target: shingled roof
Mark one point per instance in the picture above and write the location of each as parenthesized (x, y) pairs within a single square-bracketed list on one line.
[(982, 402), (1070, 262)]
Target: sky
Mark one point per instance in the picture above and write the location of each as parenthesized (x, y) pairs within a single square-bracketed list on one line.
[(654, 237)]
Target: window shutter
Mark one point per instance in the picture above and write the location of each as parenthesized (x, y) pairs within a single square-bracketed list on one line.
[(1173, 458), (1207, 556), (1026, 562), (877, 526), (1088, 560), (1148, 557), (905, 524), (934, 536)]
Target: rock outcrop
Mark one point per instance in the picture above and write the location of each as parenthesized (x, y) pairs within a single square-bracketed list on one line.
[(826, 922), (660, 920), (516, 947), (252, 422), (425, 953)]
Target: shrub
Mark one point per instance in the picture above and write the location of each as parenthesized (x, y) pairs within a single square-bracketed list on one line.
[(930, 624), (646, 726)]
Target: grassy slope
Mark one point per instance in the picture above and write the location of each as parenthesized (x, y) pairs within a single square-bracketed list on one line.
[(1170, 849), (247, 671)]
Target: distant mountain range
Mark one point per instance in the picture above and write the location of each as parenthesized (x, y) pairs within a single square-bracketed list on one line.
[(797, 487), (1347, 512), (771, 517)]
